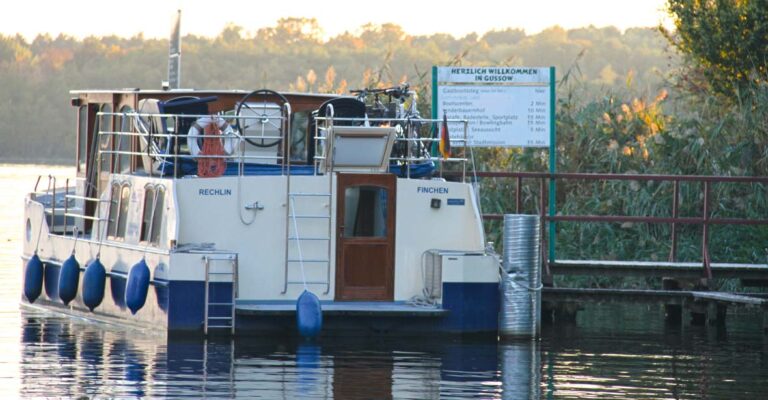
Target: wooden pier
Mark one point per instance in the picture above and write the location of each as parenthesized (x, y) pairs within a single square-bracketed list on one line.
[(704, 306)]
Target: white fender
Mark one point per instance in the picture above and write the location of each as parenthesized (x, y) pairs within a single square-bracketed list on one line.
[(231, 140)]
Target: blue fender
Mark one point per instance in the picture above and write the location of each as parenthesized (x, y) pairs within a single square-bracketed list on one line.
[(94, 280), (309, 315), (69, 278), (33, 278), (137, 286)]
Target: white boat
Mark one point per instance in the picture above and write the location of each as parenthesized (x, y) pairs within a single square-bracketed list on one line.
[(216, 210)]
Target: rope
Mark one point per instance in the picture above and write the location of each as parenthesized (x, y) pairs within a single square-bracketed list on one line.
[(476, 183), (298, 244), (42, 219), (75, 234), (240, 172), (516, 282), (423, 300)]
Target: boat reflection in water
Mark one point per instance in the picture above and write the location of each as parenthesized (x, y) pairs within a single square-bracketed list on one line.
[(71, 358)]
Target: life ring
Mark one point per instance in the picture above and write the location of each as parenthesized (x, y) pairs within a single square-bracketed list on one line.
[(231, 140)]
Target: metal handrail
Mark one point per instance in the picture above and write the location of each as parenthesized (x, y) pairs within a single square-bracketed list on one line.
[(705, 219), (158, 155)]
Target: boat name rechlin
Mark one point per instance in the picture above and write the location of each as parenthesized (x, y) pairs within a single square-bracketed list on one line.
[(215, 192), (438, 190)]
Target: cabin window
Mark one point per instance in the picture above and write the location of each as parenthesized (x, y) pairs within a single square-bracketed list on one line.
[(82, 137), (104, 124), (120, 198), (146, 215), (365, 211), (299, 136), (124, 126), (122, 217), (157, 216), (114, 205), (153, 213)]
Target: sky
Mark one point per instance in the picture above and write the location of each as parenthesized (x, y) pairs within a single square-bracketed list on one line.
[(153, 18)]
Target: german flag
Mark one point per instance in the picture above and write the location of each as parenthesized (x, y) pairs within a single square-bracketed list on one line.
[(445, 139)]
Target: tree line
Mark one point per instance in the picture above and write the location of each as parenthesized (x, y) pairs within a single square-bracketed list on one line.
[(37, 125)]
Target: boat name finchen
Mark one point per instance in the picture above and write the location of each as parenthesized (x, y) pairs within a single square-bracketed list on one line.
[(438, 190)]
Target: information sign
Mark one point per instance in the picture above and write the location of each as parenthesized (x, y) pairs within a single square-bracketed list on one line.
[(505, 106)]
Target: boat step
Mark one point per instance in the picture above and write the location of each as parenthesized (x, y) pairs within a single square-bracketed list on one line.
[(308, 261), (220, 273), (310, 216), (221, 304), (309, 238), (307, 282), (219, 318)]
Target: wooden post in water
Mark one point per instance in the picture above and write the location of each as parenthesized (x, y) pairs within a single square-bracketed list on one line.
[(673, 313)]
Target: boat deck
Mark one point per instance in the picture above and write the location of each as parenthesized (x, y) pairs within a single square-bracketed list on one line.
[(339, 308)]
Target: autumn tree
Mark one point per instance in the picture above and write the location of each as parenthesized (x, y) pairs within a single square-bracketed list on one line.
[(726, 42)]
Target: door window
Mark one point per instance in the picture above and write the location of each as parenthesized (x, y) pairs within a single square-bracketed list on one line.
[(365, 211)]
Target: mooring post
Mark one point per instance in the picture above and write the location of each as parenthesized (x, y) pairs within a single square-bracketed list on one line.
[(716, 313), (673, 313), (765, 322)]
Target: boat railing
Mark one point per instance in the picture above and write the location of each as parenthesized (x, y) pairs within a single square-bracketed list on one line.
[(162, 152), (70, 221), (64, 204), (416, 141)]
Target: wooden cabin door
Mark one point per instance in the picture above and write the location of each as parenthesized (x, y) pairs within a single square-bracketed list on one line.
[(365, 239)]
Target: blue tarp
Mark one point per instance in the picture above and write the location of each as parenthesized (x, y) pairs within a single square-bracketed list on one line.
[(189, 167)]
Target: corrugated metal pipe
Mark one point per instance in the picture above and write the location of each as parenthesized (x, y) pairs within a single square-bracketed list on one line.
[(520, 314)]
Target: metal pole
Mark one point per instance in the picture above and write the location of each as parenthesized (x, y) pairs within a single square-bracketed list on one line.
[(205, 308), (675, 201), (234, 289), (66, 204), (53, 207), (705, 234), (552, 161), (546, 275)]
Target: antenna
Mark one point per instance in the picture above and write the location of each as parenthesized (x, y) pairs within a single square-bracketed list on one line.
[(174, 55)]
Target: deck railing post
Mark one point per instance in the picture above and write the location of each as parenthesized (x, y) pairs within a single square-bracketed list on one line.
[(546, 276), (176, 167), (66, 204), (705, 234), (675, 213), (53, 206)]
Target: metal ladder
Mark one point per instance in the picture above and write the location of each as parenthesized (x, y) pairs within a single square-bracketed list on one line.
[(298, 222), (224, 322)]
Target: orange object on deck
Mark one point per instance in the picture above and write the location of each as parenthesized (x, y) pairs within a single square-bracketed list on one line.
[(208, 166)]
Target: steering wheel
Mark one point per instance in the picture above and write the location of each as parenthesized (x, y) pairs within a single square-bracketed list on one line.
[(261, 114)]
